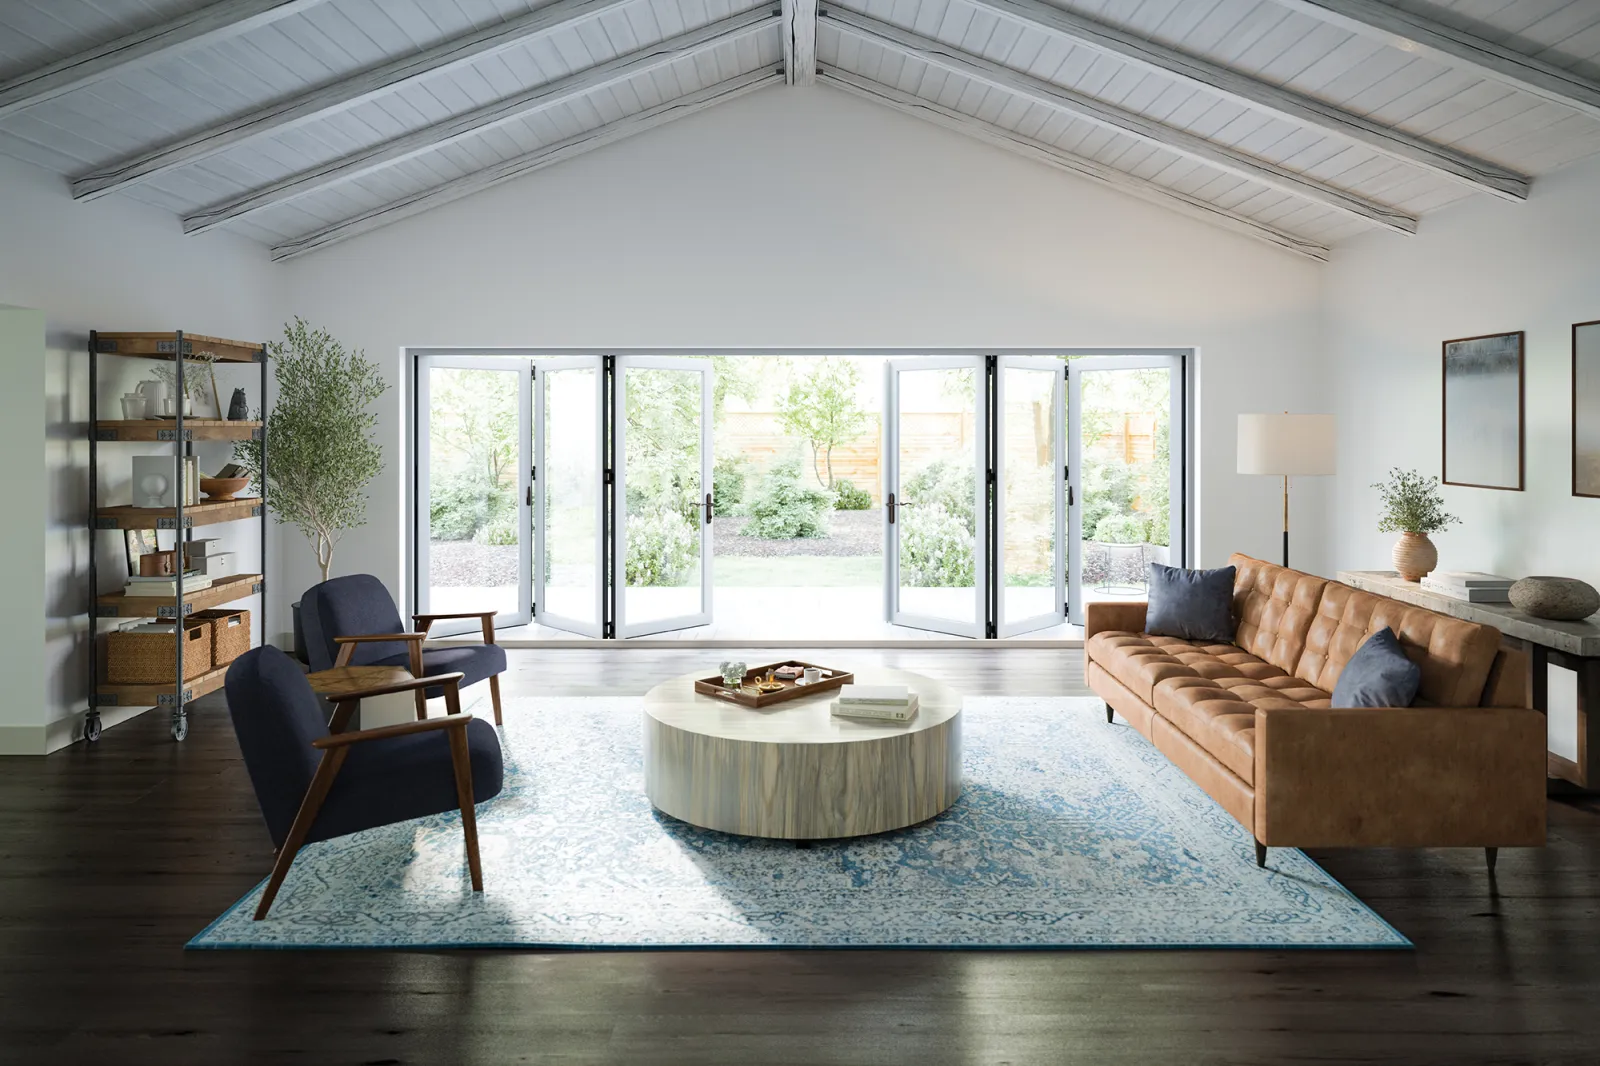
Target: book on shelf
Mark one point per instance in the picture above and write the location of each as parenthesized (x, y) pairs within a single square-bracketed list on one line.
[(166, 586), (878, 712), (1466, 579), (875, 695)]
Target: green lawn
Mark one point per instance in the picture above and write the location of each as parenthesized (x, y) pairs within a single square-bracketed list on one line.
[(808, 571)]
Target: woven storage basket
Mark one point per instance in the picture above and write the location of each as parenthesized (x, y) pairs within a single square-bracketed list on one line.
[(230, 634), (134, 658)]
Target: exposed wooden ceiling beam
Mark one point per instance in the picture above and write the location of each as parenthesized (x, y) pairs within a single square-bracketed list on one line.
[(1190, 145), (338, 95), (539, 98), (518, 166), (1479, 174), (799, 41), (1452, 47), (195, 29), (1073, 164)]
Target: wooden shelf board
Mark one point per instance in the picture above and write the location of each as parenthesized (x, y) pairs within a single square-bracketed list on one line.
[(108, 695), (121, 605), (163, 346), (193, 429), (205, 513)]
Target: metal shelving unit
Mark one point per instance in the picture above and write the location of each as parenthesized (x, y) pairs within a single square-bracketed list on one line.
[(181, 432)]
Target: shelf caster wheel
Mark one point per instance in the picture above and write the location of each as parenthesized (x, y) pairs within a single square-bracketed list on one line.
[(91, 728), (180, 725)]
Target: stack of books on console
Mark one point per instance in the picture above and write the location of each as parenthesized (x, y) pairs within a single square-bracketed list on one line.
[(883, 703), (1469, 585)]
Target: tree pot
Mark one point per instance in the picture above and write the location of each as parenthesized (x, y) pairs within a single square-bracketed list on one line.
[(301, 652), (1414, 556)]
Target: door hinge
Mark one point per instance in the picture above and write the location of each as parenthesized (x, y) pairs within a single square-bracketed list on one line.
[(608, 475)]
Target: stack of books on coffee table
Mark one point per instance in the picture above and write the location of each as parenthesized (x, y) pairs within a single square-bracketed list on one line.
[(1469, 585), (881, 703)]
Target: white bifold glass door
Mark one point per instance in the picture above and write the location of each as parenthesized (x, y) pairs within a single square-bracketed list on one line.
[(474, 527), (1030, 493), (661, 557), (935, 527), (569, 494), (1126, 463)]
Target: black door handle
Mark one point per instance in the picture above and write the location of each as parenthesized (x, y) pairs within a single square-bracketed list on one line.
[(890, 505), (708, 508)]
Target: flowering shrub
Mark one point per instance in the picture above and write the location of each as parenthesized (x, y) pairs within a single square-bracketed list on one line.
[(661, 548), (936, 549)]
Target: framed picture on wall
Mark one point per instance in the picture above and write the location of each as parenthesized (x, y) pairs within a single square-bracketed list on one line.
[(1586, 409), (1483, 388)]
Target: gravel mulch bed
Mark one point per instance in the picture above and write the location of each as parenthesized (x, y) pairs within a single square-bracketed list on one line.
[(851, 533), (468, 564)]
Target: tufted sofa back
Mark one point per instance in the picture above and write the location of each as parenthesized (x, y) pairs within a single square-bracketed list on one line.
[(1273, 608), (1309, 626)]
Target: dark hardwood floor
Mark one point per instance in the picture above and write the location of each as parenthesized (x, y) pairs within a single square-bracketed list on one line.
[(110, 859)]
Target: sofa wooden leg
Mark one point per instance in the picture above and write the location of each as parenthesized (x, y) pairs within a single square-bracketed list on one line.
[(1491, 856), (1109, 714), (1261, 854)]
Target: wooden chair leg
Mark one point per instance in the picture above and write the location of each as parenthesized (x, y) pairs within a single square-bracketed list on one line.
[(461, 758), (304, 819), (1491, 856), (420, 696), (494, 696)]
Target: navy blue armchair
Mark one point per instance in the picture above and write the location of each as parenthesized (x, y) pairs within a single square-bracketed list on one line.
[(315, 781), (352, 621)]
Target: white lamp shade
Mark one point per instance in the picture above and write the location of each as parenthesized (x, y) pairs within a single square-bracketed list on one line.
[(1286, 444)]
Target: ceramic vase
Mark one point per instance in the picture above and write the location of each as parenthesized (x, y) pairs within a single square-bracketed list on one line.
[(1414, 556)]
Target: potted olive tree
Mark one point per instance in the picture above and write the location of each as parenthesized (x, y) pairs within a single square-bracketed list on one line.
[(1413, 507), (323, 453)]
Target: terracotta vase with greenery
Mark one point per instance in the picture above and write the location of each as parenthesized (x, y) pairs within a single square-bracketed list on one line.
[(1413, 507)]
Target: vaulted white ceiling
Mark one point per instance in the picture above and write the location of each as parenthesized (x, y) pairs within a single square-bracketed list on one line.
[(303, 122)]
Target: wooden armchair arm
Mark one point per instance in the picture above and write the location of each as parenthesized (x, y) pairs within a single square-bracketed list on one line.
[(380, 638), (348, 645), (424, 622), (409, 684), (350, 701), (384, 732)]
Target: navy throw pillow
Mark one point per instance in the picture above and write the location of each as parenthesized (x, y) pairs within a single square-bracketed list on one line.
[(1378, 675), (1192, 604)]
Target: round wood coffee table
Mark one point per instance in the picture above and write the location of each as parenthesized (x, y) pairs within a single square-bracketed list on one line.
[(794, 771)]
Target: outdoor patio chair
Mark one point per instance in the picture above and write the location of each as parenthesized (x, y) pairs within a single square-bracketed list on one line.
[(314, 781), (353, 621)]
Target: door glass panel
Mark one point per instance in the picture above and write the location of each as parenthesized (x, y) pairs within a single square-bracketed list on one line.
[(475, 539), (1028, 526), (662, 564), (1126, 427), (937, 522), (571, 482)]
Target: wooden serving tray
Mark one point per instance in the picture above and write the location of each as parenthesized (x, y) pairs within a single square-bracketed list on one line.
[(749, 697)]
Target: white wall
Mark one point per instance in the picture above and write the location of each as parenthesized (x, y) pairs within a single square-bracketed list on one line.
[(22, 441), (1482, 267), (805, 217), (109, 265)]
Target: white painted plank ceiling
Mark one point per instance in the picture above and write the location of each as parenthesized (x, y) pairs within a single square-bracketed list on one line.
[(146, 106)]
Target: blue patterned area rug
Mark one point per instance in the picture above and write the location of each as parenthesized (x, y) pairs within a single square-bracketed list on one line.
[(1070, 833)]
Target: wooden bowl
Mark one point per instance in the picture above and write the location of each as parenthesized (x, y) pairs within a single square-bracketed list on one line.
[(222, 489)]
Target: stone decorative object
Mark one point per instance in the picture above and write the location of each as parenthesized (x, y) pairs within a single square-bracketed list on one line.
[(1414, 556), (238, 407), (1562, 599)]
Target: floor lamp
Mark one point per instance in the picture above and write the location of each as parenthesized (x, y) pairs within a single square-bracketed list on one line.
[(1286, 446)]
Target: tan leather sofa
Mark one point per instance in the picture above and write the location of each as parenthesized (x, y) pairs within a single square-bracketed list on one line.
[(1251, 722)]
